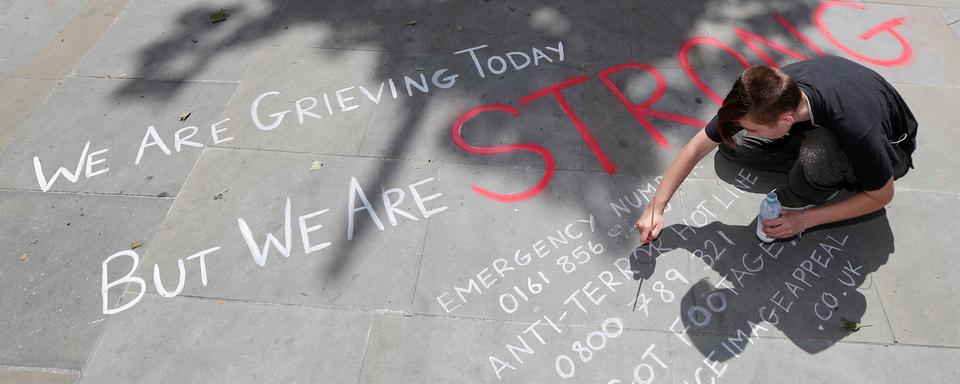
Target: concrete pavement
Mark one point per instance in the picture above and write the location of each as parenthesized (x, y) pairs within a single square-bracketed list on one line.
[(426, 191)]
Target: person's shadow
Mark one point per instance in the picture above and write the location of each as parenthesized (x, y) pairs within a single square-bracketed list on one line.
[(808, 288)]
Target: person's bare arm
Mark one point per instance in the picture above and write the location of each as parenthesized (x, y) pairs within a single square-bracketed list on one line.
[(651, 222), (792, 222)]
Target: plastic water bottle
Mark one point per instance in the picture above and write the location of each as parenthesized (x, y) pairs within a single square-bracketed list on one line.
[(769, 209)]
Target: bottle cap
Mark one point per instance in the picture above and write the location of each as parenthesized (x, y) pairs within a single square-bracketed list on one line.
[(772, 196)]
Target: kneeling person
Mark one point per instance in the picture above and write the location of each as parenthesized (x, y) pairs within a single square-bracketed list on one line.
[(826, 123)]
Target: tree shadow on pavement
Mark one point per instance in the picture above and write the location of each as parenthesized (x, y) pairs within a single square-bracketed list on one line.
[(605, 33), (814, 290)]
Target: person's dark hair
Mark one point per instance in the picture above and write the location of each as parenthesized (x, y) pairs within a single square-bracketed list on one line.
[(761, 93)]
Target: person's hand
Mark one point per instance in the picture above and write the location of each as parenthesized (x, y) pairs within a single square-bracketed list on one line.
[(649, 224), (789, 224)]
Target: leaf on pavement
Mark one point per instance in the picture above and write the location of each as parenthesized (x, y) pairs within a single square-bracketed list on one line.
[(851, 326), (219, 196), (219, 16)]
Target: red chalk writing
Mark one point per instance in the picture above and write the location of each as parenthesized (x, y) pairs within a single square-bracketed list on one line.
[(643, 111)]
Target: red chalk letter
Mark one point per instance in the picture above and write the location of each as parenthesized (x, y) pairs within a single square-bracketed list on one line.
[(786, 24), (642, 110), (751, 39), (906, 50), (543, 152), (587, 137), (685, 63)]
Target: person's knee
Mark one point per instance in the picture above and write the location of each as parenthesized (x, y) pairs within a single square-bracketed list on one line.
[(824, 166), (811, 160), (816, 174)]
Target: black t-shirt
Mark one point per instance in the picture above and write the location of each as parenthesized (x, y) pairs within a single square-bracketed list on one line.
[(864, 112)]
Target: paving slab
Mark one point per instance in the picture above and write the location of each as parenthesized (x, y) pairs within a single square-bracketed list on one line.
[(207, 341), (64, 50), (52, 272), (31, 377), (375, 269), (924, 3), (932, 45), (918, 283), (179, 41), (414, 26), (660, 31), (464, 350), (86, 110), (306, 74), (600, 35), (933, 160), (952, 16), (26, 27), (769, 360), (26, 96)]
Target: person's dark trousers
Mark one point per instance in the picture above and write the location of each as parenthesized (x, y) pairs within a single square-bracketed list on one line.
[(810, 157)]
